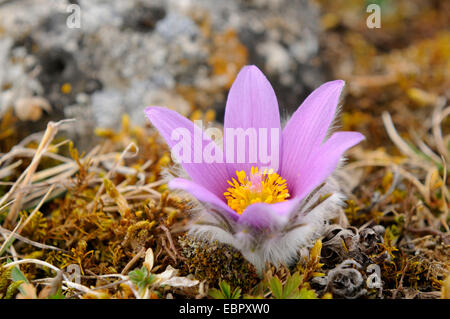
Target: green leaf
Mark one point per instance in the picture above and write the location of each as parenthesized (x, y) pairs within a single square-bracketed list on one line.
[(57, 295), (291, 285), (7, 245), (259, 289), (276, 287), (216, 294), (226, 289), (18, 276), (305, 293), (141, 277), (236, 293), (137, 275)]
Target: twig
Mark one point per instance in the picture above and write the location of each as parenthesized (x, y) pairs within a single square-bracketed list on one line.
[(445, 195), (133, 261), (11, 248), (169, 238), (7, 170), (29, 241), (436, 128), (400, 286), (427, 231), (93, 205), (395, 137), (32, 261), (49, 135), (171, 254), (8, 239)]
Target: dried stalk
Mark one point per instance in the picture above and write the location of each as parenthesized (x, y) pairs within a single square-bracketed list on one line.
[(133, 261), (36, 209), (49, 135), (436, 128), (29, 241)]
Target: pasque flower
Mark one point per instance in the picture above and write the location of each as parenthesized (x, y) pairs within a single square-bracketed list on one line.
[(267, 213)]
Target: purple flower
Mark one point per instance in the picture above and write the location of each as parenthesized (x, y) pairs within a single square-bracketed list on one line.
[(269, 215)]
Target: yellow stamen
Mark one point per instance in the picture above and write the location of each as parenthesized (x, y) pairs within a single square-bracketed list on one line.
[(266, 187)]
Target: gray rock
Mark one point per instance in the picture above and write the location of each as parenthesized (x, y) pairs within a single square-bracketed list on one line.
[(134, 53)]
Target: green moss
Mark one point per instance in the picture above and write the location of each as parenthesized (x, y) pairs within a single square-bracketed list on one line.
[(215, 262)]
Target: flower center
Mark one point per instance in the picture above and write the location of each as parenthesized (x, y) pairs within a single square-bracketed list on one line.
[(261, 187)]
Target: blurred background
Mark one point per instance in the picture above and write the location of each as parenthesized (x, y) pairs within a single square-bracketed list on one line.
[(184, 54)]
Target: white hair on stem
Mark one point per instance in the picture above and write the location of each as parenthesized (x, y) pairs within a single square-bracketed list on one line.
[(282, 243)]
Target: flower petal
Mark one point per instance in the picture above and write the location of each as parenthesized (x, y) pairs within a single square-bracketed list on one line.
[(202, 194), (268, 216), (307, 129), (252, 103), (324, 161), (213, 176)]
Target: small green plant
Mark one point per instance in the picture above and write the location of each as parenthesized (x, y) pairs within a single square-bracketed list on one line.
[(225, 291), (11, 280), (291, 289), (142, 278), (306, 293), (13, 289), (57, 295)]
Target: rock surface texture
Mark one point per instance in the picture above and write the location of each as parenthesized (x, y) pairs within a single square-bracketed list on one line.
[(126, 55)]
